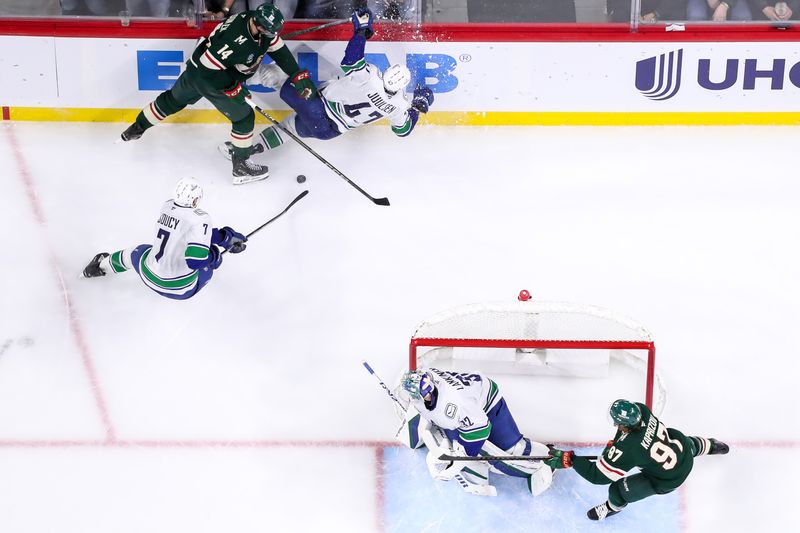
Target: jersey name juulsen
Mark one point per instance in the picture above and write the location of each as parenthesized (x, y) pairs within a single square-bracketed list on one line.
[(168, 221), (381, 104)]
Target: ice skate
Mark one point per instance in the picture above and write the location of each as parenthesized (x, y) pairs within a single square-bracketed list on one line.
[(226, 149), (718, 447), (95, 267), (133, 132), (601, 512), (245, 171)]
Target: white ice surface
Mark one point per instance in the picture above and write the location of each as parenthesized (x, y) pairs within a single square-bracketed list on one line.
[(246, 408)]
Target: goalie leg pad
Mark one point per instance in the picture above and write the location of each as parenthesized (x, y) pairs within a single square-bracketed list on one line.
[(539, 476)]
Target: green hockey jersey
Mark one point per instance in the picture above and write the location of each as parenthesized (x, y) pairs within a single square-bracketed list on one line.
[(230, 54), (663, 454)]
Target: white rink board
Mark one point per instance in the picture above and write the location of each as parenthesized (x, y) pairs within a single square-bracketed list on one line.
[(478, 77)]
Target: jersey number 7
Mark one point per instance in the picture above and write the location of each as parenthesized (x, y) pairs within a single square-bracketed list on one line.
[(165, 234)]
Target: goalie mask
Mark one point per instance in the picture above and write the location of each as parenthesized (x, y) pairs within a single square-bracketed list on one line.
[(188, 192), (625, 413), (418, 384), (269, 19)]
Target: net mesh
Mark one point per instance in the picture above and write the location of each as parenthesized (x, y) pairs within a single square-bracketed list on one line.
[(572, 339)]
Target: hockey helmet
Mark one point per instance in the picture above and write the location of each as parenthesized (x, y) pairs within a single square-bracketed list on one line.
[(625, 413), (269, 18), (188, 192), (395, 78), (418, 384)]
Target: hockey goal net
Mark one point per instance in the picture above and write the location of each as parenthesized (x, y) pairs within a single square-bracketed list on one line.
[(540, 338)]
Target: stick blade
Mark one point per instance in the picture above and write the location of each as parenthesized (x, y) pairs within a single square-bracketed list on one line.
[(381, 201)]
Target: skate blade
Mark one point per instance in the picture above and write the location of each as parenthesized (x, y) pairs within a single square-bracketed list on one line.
[(244, 180)]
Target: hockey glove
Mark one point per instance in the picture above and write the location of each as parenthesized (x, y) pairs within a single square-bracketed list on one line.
[(423, 98), (362, 22), (302, 83), (214, 258), (559, 459), (453, 467), (238, 93), (230, 239)]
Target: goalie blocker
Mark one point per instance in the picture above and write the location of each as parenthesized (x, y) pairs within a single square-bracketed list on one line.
[(462, 415)]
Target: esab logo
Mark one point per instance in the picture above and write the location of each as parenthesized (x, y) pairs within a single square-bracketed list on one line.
[(659, 77)]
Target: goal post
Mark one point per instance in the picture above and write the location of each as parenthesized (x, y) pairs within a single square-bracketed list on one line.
[(539, 338)]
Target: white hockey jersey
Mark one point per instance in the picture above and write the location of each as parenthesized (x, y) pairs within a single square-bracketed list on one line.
[(461, 404), (358, 98), (182, 233)]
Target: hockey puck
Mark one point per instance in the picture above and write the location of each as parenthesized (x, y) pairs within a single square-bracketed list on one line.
[(301, 178)]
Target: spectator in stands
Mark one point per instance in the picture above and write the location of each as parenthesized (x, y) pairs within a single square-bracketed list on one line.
[(42, 8), (99, 8), (775, 11), (147, 8), (314, 9), (718, 10), (652, 10)]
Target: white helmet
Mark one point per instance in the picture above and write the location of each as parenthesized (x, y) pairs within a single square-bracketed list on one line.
[(188, 192), (395, 78)]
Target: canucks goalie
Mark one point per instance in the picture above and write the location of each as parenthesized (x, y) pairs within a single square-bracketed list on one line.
[(465, 414)]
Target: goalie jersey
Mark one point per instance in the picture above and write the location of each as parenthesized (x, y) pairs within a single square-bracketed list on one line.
[(182, 236), (358, 97), (461, 403)]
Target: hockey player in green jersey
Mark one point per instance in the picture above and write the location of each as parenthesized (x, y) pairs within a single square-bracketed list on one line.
[(663, 455), (217, 71)]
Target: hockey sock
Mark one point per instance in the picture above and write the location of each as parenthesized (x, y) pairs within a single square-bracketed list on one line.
[(120, 261), (704, 446), (271, 137)]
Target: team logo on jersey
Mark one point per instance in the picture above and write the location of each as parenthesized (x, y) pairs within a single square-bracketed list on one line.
[(659, 77), (249, 59), (450, 410)]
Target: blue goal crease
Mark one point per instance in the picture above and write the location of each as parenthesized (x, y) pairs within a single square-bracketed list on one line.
[(413, 501)]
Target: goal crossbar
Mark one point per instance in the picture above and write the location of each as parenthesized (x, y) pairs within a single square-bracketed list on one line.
[(648, 346)]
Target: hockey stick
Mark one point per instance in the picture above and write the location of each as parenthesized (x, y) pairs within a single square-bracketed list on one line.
[(273, 219), (377, 201), (314, 28), (446, 457), (480, 490)]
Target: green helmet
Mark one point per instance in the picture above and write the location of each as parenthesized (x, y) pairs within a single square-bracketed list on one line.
[(625, 413), (268, 17)]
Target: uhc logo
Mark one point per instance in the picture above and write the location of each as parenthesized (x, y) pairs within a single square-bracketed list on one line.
[(659, 77)]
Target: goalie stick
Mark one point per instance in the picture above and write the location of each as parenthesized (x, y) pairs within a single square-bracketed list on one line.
[(480, 490), (376, 201), (273, 219)]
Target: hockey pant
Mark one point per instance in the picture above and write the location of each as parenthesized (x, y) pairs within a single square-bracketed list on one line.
[(506, 438), (639, 486), (124, 260), (189, 89), (308, 120)]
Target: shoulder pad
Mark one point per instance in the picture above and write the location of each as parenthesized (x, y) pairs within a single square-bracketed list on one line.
[(200, 212)]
